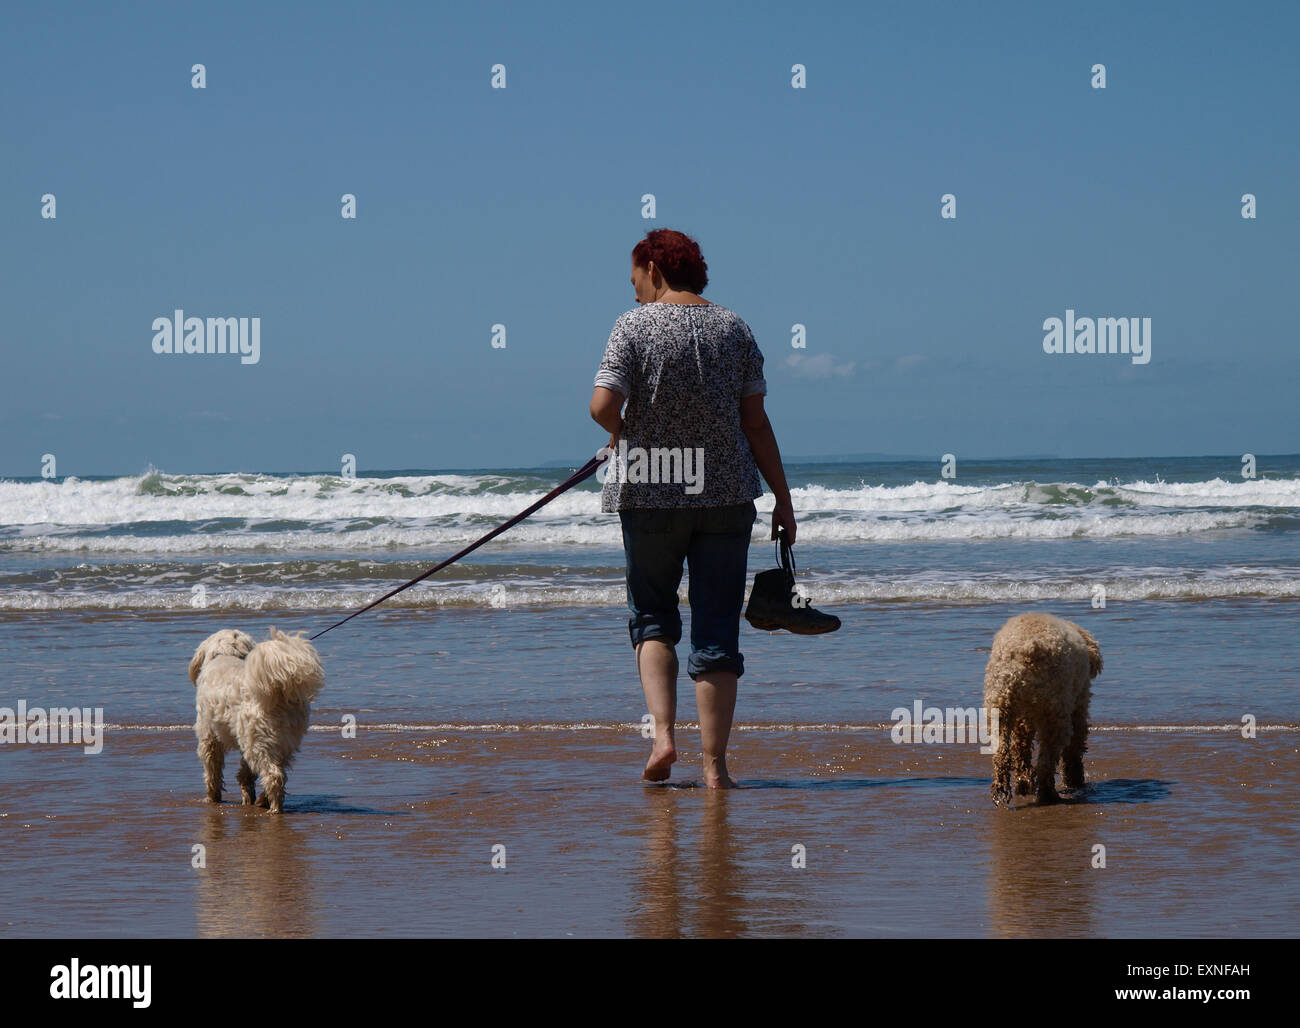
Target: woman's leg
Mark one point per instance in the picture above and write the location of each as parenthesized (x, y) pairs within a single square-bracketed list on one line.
[(656, 662), (715, 695), (655, 546), (717, 560)]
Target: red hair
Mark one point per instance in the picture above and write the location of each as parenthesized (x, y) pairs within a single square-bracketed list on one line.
[(677, 256)]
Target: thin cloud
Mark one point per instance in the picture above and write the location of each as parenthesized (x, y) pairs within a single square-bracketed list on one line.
[(818, 366)]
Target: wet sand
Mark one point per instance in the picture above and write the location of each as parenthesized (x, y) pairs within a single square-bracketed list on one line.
[(392, 834)]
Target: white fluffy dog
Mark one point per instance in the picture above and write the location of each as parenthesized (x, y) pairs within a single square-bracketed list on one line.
[(256, 699)]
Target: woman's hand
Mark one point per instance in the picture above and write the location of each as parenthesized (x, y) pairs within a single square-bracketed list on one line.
[(783, 517), (762, 444)]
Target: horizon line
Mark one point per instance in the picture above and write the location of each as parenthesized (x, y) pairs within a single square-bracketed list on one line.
[(848, 458)]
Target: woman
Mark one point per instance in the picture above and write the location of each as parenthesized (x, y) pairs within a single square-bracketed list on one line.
[(691, 375)]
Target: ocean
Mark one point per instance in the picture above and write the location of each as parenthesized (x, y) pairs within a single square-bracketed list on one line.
[(497, 703)]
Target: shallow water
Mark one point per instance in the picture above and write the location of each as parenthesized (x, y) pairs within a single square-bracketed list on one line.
[(1171, 663)]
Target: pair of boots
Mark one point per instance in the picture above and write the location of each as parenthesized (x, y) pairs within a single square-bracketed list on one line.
[(774, 602)]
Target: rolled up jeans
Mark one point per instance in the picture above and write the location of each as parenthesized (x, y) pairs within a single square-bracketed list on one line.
[(714, 543)]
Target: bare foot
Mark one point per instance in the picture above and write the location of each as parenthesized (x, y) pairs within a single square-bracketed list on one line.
[(660, 764), (715, 775)]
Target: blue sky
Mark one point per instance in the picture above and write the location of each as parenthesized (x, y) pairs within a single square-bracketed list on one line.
[(520, 206)]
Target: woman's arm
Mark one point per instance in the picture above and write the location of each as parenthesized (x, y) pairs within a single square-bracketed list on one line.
[(607, 411), (762, 443)]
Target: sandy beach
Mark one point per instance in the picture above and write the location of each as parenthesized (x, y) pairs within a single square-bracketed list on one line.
[(393, 834)]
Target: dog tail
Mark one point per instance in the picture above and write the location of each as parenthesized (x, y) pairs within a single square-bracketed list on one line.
[(1094, 654), (285, 667)]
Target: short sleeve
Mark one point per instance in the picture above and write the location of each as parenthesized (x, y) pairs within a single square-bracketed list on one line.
[(615, 371), (751, 378)]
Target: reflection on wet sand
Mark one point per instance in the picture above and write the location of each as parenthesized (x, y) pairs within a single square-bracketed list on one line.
[(690, 882), (698, 878), (725, 890), (258, 876), (1041, 881), (660, 879), (391, 834)]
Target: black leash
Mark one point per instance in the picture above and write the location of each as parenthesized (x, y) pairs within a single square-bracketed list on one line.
[(581, 475)]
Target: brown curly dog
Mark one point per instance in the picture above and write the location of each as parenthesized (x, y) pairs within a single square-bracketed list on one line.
[(1039, 677)]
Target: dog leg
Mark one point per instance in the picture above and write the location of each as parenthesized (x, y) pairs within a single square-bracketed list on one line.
[(273, 794), (1003, 759), (1072, 759), (1049, 752), (213, 758), (1000, 790), (247, 782), (1022, 757)]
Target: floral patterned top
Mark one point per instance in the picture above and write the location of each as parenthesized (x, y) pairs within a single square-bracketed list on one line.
[(683, 368)]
